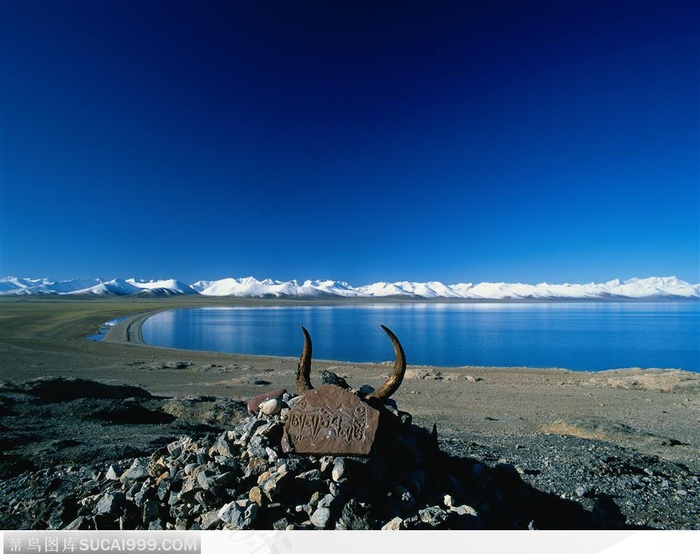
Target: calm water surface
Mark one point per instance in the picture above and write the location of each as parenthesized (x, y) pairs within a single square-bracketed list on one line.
[(577, 336)]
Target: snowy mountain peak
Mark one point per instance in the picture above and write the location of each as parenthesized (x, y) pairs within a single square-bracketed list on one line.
[(653, 288)]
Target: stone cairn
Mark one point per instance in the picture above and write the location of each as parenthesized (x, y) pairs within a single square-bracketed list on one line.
[(328, 458)]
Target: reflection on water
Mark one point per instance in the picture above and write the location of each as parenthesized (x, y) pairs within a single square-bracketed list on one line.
[(104, 328), (579, 336)]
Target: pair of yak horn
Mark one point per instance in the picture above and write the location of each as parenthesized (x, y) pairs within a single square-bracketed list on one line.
[(383, 393)]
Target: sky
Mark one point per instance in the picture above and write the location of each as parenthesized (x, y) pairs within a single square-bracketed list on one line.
[(522, 141)]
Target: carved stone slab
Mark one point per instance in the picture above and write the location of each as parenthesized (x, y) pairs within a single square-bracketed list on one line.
[(330, 420)]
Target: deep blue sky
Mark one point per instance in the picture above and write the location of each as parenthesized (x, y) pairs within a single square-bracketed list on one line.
[(368, 141)]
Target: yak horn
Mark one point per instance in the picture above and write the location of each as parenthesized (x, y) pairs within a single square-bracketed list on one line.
[(394, 381), (304, 368)]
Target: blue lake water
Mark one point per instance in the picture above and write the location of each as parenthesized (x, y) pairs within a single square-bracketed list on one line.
[(579, 336)]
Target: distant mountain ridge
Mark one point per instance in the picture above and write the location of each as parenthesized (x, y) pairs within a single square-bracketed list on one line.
[(658, 288)]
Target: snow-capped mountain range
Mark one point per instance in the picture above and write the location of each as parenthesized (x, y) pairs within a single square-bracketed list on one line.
[(656, 288)]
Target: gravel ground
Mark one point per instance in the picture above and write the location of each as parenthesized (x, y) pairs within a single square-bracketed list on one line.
[(54, 423)]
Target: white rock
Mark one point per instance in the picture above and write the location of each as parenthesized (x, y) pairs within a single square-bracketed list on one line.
[(464, 510), (339, 470), (271, 455), (393, 525), (271, 406), (113, 473)]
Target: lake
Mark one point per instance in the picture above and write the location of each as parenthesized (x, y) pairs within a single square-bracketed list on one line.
[(578, 336)]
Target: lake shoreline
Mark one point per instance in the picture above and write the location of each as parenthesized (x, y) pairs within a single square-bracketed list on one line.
[(580, 337)]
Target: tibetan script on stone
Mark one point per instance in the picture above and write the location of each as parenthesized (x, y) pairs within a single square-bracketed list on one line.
[(330, 420)]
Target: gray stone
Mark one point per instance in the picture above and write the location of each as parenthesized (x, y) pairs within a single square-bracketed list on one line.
[(336, 489), (150, 510), (110, 503), (310, 475), (135, 488), (271, 428), (225, 479), (203, 479), (320, 517), (433, 516), (222, 447), (238, 514), (246, 428), (192, 480), (138, 470), (280, 524), (176, 448), (141, 495), (189, 468), (330, 378), (257, 446), (271, 486), (210, 519), (293, 401), (315, 497), (256, 466), (355, 515), (163, 490)]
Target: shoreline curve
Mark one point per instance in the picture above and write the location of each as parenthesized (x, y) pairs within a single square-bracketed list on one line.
[(129, 330)]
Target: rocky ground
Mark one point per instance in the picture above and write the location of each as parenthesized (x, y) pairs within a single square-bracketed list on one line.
[(91, 455)]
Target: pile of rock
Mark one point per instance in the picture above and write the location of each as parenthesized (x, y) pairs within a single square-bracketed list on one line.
[(243, 479)]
